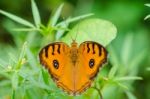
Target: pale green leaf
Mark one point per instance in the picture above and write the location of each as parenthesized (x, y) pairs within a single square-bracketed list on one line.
[(21, 56), (95, 29), (45, 76), (17, 19), (137, 60), (31, 59), (79, 17), (114, 60), (128, 78), (56, 16), (127, 48), (69, 20), (65, 23), (147, 17), (23, 51), (148, 69), (122, 86), (26, 29), (130, 95), (147, 4), (13, 94), (15, 80), (35, 13)]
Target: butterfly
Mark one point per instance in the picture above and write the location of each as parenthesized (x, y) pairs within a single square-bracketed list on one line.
[(73, 68)]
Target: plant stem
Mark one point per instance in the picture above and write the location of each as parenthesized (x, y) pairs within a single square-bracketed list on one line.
[(99, 92), (13, 94)]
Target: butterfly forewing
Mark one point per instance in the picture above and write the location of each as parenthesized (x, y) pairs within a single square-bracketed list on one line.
[(94, 56), (53, 57), (56, 58)]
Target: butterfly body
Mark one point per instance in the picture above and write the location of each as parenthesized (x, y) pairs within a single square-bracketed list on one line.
[(73, 68), (74, 52)]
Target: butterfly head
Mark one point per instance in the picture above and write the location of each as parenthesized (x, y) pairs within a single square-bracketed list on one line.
[(74, 44)]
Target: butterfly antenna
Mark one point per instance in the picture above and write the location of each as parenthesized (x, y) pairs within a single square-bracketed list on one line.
[(65, 21), (78, 28), (77, 32), (71, 37)]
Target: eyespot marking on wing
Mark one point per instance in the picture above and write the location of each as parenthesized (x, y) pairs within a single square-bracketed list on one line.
[(91, 63)]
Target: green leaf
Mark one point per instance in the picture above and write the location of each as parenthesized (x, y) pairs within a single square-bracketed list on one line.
[(137, 60), (13, 94), (147, 4), (31, 59), (148, 69), (127, 48), (35, 13), (23, 51), (69, 20), (130, 95), (26, 29), (65, 24), (79, 17), (4, 83), (128, 78), (15, 80), (95, 29), (17, 19), (56, 16), (45, 76), (113, 71), (122, 85), (2, 64), (22, 55), (114, 61), (147, 17)]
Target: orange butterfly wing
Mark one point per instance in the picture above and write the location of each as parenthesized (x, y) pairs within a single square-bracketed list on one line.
[(73, 69), (55, 58), (91, 57)]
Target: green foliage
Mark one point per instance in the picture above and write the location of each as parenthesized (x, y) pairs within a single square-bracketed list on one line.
[(148, 16), (92, 30), (22, 76), (17, 19)]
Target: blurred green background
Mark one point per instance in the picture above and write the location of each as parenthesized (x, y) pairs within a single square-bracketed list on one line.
[(130, 49)]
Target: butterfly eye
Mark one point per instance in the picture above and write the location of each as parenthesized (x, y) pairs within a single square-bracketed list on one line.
[(91, 63), (55, 64)]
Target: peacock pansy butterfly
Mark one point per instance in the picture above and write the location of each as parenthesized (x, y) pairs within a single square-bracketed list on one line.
[(73, 68)]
